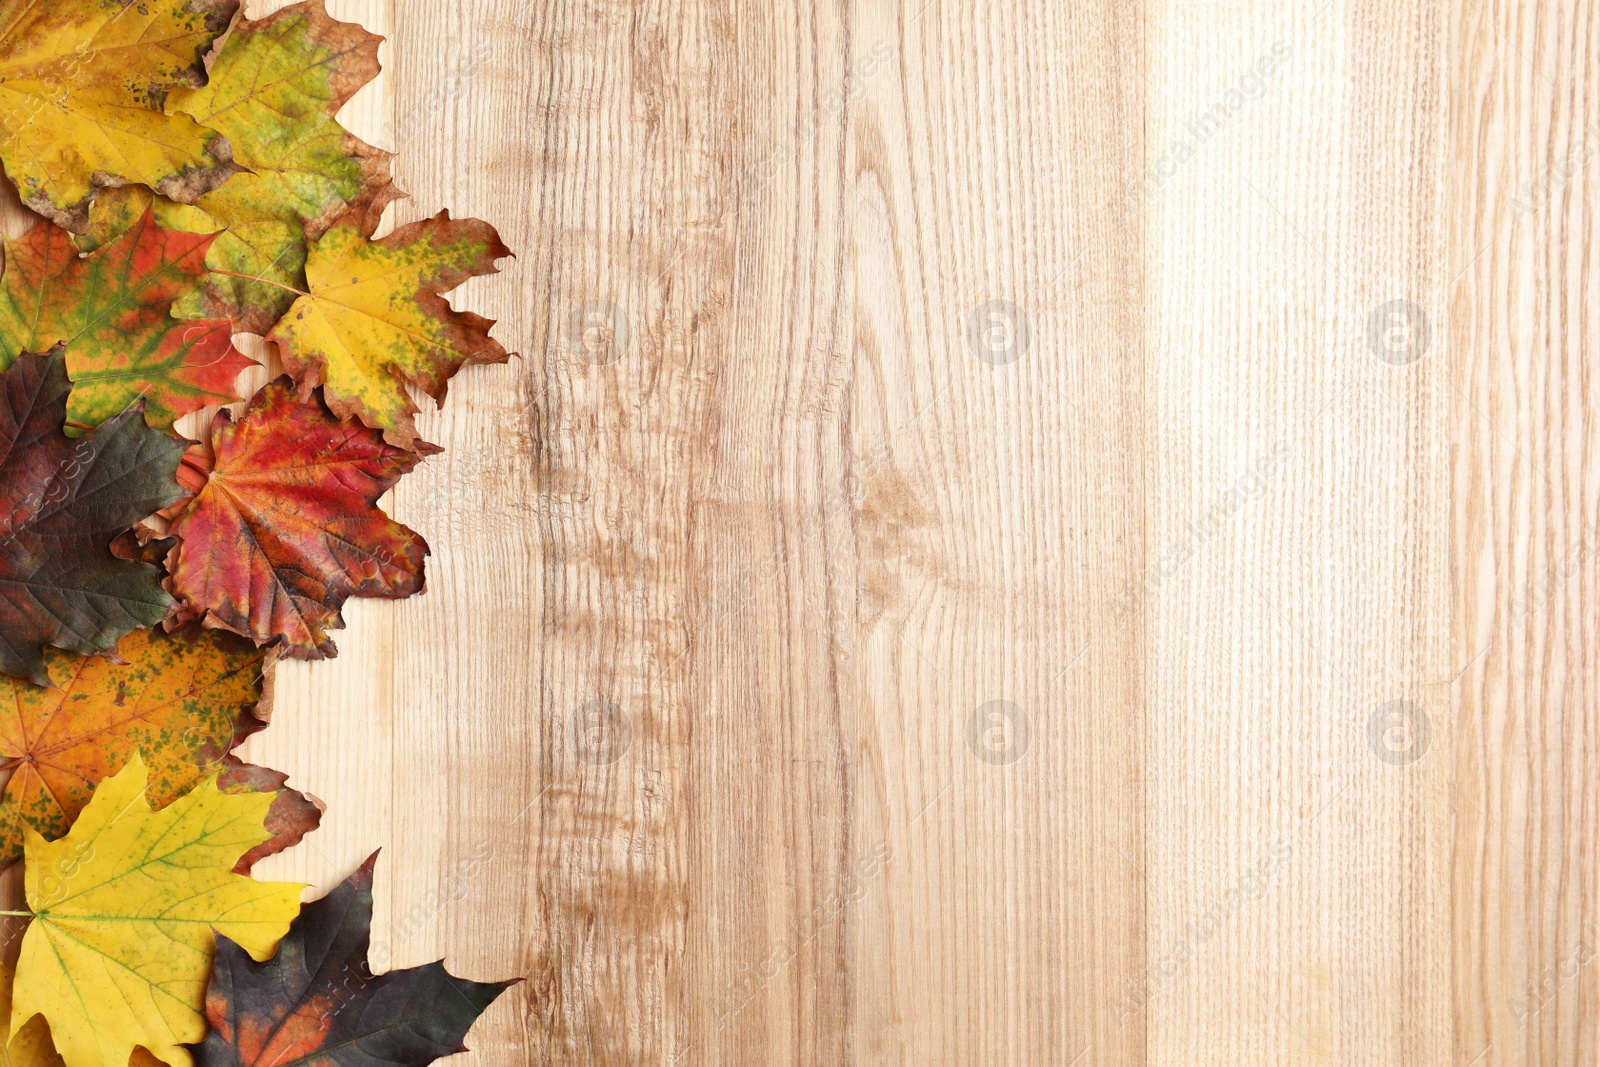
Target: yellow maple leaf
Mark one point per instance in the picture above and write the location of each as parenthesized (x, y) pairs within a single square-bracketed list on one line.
[(126, 907), (374, 321), (82, 87), (30, 1048)]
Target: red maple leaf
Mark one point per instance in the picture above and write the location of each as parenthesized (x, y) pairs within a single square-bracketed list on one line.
[(111, 310), (286, 526)]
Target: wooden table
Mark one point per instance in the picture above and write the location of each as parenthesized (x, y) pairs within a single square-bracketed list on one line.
[(1022, 533)]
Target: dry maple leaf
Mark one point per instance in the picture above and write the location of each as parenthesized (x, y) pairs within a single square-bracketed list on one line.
[(125, 909), (286, 527), (274, 90), (82, 86), (316, 1003), (111, 310), (183, 700), (61, 504), (373, 320)]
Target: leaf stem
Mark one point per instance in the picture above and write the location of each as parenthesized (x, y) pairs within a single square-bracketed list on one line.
[(21, 914), (263, 281)]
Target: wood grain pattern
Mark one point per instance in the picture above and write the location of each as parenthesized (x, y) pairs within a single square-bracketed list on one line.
[(1020, 534), (998, 410), (1527, 766), (753, 504), (1298, 860)]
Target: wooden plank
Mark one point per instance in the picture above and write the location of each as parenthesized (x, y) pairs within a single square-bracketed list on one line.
[(1523, 241), (999, 424), (621, 679), (1299, 835)]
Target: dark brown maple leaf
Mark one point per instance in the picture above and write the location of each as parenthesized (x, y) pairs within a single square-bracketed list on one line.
[(62, 503), (317, 1003)]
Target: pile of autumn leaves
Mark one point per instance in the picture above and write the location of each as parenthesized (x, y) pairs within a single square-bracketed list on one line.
[(194, 185)]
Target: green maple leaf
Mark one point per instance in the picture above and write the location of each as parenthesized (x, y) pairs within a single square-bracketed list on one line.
[(112, 311), (273, 92)]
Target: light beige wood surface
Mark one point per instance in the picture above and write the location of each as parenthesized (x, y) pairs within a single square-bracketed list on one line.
[(974, 564), (1524, 192), (1299, 881), (753, 518)]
